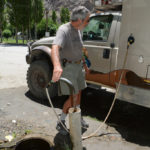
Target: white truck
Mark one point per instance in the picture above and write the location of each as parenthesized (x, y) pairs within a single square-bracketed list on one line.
[(105, 39)]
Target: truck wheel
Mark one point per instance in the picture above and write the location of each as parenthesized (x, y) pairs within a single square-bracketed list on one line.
[(38, 75)]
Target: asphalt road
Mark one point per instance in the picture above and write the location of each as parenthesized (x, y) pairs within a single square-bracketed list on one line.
[(12, 66), (126, 129)]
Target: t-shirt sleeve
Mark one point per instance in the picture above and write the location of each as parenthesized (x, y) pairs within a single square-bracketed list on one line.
[(60, 38)]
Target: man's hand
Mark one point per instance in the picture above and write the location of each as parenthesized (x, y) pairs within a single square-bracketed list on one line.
[(56, 63), (87, 70), (57, 73)]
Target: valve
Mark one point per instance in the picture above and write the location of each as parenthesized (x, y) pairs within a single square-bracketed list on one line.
[(131, 39)]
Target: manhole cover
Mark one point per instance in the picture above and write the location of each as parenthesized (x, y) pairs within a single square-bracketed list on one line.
[(33, 144)]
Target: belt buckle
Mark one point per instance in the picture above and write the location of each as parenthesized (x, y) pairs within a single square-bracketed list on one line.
[(78, 62)]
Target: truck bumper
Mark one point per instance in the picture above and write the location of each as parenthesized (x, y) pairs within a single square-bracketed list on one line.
[(134, 95)]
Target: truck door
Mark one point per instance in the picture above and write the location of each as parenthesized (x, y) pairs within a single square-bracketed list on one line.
[(97, 37)]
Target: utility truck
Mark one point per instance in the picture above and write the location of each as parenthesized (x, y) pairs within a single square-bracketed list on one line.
[(106, 40)]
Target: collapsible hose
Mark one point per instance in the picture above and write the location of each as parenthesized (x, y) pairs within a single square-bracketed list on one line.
[(74, 118), (130, 42), (50, 101)]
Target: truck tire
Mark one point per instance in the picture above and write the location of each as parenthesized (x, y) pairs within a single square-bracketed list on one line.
[(38, 76)]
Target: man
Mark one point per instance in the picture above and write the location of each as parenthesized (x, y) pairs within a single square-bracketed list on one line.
[(67, 60)]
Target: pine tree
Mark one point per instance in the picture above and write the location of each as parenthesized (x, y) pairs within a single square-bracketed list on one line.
[(64, 15), (54, 16), (37, 13), (2, 20)]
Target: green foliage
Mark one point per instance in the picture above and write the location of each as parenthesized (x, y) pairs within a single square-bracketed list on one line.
[(67, 15), (14, 135), (3, 22), (11, 28), (23, 14), (52, 27), (41, 28), (37, 10), (28, 131), (13, 12), (2, 3), (66, 146), (13, 41), (6, 33), (54, 16), (64, 15), (2, 17), (37, 14)]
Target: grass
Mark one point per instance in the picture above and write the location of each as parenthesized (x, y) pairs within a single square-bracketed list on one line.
[(13, 41), (93, 118), (66, 147), (28, 131)]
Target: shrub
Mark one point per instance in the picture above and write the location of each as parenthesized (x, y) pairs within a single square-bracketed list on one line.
[(41, 28), (6, 33), (64, 15), (54, 16), (52, 27)]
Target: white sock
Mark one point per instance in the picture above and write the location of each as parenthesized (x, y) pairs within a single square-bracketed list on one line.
[(63, 116)]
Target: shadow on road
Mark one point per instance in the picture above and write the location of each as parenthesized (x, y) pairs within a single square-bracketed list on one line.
[(130, 120), (57, 101)]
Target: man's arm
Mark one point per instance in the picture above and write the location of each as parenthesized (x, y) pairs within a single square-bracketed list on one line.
[(57, 71)]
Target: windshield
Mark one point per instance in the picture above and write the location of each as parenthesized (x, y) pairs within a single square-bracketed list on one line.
[(98, 28)]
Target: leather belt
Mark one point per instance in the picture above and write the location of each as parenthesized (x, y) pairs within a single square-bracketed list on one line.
[(64, 61), (74, 62)]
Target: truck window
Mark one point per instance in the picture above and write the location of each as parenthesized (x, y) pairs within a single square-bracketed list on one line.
[(98, 28)]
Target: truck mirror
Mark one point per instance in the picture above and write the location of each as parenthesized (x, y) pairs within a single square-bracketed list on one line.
[(112, 45)]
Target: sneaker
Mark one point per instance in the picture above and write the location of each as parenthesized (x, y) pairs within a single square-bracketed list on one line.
[(61, 129), (84, 124)]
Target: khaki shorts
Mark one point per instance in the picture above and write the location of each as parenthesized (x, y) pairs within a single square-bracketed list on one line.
[(74, 73)]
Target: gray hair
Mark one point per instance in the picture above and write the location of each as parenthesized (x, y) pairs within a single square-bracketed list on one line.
[(79, 12)]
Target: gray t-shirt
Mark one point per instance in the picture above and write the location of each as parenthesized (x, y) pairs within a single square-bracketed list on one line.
[(69, 39)]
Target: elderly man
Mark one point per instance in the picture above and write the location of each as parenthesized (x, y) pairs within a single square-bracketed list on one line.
[(67, 60)]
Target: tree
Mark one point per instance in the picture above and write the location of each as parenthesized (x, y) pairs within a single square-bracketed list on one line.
[(11, 28), (2, 20), (6, 33), (67, 15), (37, 13), (52, 28), (41, 28), (23, 14), (54, 16), (19, 13), (29, 18), (14, 14), (25, 18), (64, 15), (49, 6)]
